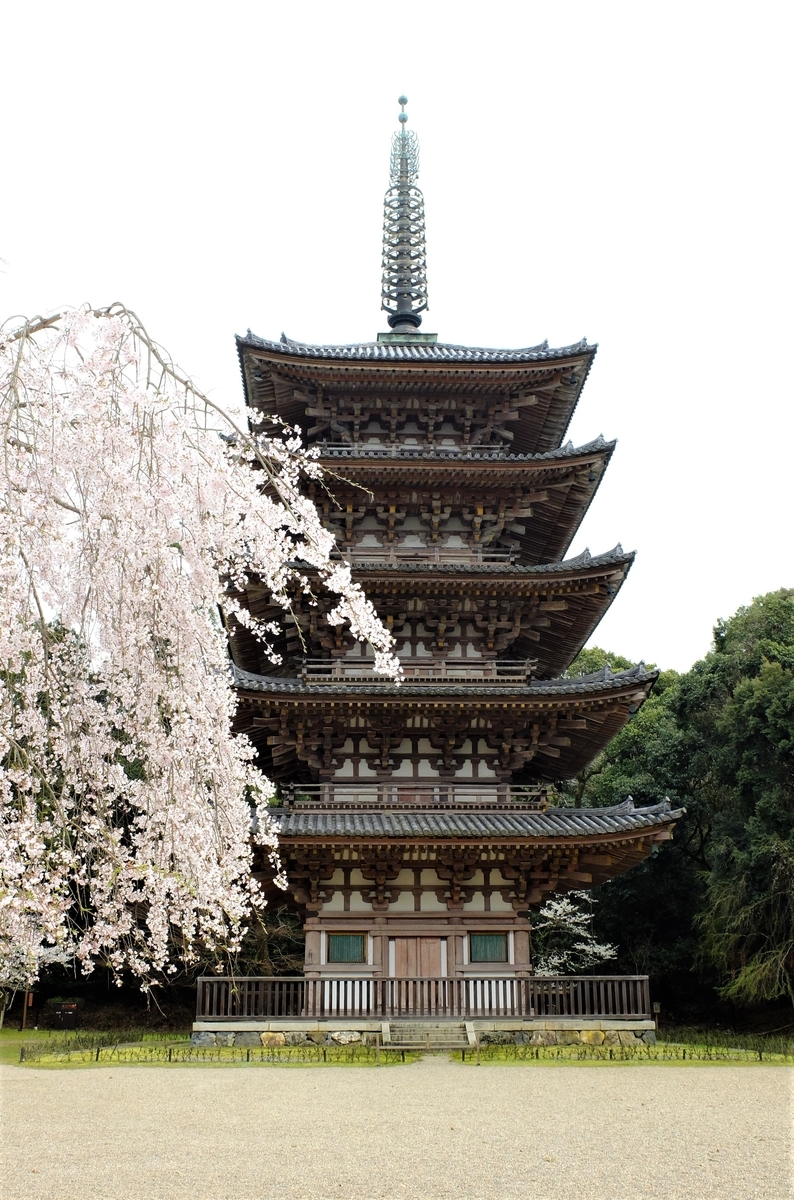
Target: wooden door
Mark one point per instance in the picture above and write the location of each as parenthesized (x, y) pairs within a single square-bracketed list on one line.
[(417, 956)]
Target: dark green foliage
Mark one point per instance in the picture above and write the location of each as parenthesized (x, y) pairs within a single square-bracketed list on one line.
[(715, 908)]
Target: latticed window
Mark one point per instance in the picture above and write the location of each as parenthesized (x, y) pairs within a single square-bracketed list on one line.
[(487, 947), (347, 948)]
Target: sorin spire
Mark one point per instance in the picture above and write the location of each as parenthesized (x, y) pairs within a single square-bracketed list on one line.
[(404, 287)]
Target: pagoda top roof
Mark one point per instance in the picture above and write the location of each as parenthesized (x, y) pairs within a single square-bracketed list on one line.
[(419, 351), (552, 824), (301, 383)]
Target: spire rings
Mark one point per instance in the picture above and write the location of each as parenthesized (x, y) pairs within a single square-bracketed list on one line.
[(404, 161), (404, 282)]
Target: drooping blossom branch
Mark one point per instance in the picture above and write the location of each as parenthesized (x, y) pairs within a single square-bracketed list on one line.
[(127, 528)]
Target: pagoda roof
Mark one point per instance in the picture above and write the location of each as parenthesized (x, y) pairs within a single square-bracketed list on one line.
[(605, 680), (560, 487), (285, 378), (567, 721), (553, 824), (425, 352), (401, 453), (550, 611), (584, 563)]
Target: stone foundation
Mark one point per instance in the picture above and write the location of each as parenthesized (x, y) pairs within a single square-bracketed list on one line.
[(506, 1032), (569, 1037), (249, 1038)]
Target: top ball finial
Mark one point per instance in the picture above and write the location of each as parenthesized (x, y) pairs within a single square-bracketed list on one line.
[(402, 100)]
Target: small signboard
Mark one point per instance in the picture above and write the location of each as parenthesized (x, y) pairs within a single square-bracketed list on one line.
[(66, 1016)]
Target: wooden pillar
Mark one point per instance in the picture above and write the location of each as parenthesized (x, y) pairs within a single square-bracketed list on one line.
[(457, 956), (380, 952), (521, 943), (312, 948)]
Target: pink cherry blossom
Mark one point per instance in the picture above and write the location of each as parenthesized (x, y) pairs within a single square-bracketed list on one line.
[(132, 511)]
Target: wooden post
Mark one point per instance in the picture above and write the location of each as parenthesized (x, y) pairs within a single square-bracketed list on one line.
[(477, 1045), (377, 1049)]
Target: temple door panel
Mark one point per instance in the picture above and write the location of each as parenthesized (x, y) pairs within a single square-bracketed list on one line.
[(416, 957)]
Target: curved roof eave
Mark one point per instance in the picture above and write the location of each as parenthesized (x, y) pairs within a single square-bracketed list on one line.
[(603, 681), (436, 352), (553, 824)]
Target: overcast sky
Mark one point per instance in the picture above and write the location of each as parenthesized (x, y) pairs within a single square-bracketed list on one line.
[(618, 171)]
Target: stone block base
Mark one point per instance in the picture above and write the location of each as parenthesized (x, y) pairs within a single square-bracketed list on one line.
[(560, 1031), (275, 1038), (569, 1037)]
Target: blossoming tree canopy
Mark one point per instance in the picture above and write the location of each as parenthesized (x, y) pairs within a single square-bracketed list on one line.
[(127, 525), (563, 939)]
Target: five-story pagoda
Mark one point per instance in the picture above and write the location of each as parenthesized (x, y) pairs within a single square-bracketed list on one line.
[(418, 826)]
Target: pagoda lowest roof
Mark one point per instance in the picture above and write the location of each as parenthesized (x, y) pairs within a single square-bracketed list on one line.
[(553, 823)]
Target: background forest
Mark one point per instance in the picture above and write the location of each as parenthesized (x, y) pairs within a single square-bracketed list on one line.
[(710, 917)]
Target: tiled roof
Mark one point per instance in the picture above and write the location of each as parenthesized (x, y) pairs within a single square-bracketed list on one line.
[(553, 823), (438, 352), (604, 680), (486, 455), (585, 560)]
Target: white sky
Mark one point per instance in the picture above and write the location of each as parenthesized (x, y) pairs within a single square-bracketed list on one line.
[(619, 171)]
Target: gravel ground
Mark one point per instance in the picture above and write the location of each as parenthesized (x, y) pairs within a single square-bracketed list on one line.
[(432, 1130)]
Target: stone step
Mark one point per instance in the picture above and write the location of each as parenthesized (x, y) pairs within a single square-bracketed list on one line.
[(448, 1035), (419, 1031), (457, 1026), (434, 1037), (429, 1037)]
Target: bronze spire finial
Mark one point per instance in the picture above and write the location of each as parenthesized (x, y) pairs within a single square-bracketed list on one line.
[(404, 286)]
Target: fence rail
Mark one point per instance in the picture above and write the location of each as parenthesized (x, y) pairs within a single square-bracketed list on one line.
[(361, 449), (506, 672), (416, 793), (391, 553), (223, 998)]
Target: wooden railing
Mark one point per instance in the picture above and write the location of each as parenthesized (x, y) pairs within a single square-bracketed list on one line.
[(415, 793), (462, 555), (617, 997), (403, 449), (507, 672)]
